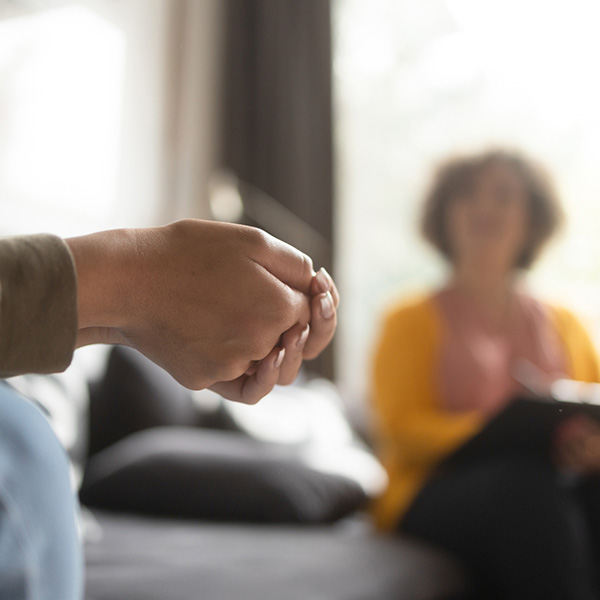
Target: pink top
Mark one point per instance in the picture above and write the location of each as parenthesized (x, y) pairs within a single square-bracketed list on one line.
[(479, 357)]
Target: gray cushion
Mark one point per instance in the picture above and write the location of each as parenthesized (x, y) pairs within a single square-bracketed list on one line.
[(140, 558), (215, 475)]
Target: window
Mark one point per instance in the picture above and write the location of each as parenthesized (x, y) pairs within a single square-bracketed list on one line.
[(61, 95), (83, 108), (417, 80)]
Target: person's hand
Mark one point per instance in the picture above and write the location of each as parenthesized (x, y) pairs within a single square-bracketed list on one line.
[(309, 343), (302, 341), (577, 445), (204, 300)]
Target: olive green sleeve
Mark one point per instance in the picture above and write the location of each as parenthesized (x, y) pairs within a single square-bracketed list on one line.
[(38, 305)]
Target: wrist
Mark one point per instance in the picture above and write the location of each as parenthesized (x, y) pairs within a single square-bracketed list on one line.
[(103, 263)]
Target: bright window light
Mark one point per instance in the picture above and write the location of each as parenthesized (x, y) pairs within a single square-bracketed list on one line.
[(61, 87), (417, 80)]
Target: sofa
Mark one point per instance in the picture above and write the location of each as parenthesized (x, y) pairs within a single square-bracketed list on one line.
[(186, 496)]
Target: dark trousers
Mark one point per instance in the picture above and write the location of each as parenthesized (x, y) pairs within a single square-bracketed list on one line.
[(521, 530)]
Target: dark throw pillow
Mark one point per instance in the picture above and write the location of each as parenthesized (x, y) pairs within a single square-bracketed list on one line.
[(135, 394), (215, 475)]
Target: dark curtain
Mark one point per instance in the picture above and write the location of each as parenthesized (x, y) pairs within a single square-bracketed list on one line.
[(277, 121)]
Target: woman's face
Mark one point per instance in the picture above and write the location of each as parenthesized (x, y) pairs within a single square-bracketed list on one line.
[(488, 220)]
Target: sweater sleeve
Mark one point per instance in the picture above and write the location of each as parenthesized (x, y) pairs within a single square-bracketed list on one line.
[(38, 305), (409, 420)]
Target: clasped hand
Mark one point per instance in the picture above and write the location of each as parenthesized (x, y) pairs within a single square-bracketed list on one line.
[(215, 304), (577, 445)]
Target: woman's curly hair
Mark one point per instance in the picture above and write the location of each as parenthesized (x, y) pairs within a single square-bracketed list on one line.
[(458, 173)]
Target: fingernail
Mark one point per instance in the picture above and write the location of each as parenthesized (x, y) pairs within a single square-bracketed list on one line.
[(324, 280), (327, 308), (303, 337), (279, 358)]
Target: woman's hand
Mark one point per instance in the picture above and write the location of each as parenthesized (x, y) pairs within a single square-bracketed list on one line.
[(307, 342), (297, 344), (209, 302), (577, 445)]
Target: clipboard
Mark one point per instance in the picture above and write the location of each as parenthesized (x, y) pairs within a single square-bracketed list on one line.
[(528, 423)]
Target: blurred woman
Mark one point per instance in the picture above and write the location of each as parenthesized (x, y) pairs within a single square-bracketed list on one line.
[(445, 365)]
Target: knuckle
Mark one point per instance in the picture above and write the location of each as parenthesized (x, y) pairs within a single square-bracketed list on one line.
[(291, 307), (254, 237), (308, 264)]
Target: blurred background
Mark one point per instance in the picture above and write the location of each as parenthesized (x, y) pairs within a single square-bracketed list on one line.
[(318, 121)]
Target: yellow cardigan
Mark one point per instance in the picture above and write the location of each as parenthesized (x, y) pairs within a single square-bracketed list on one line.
[(412, 429)]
